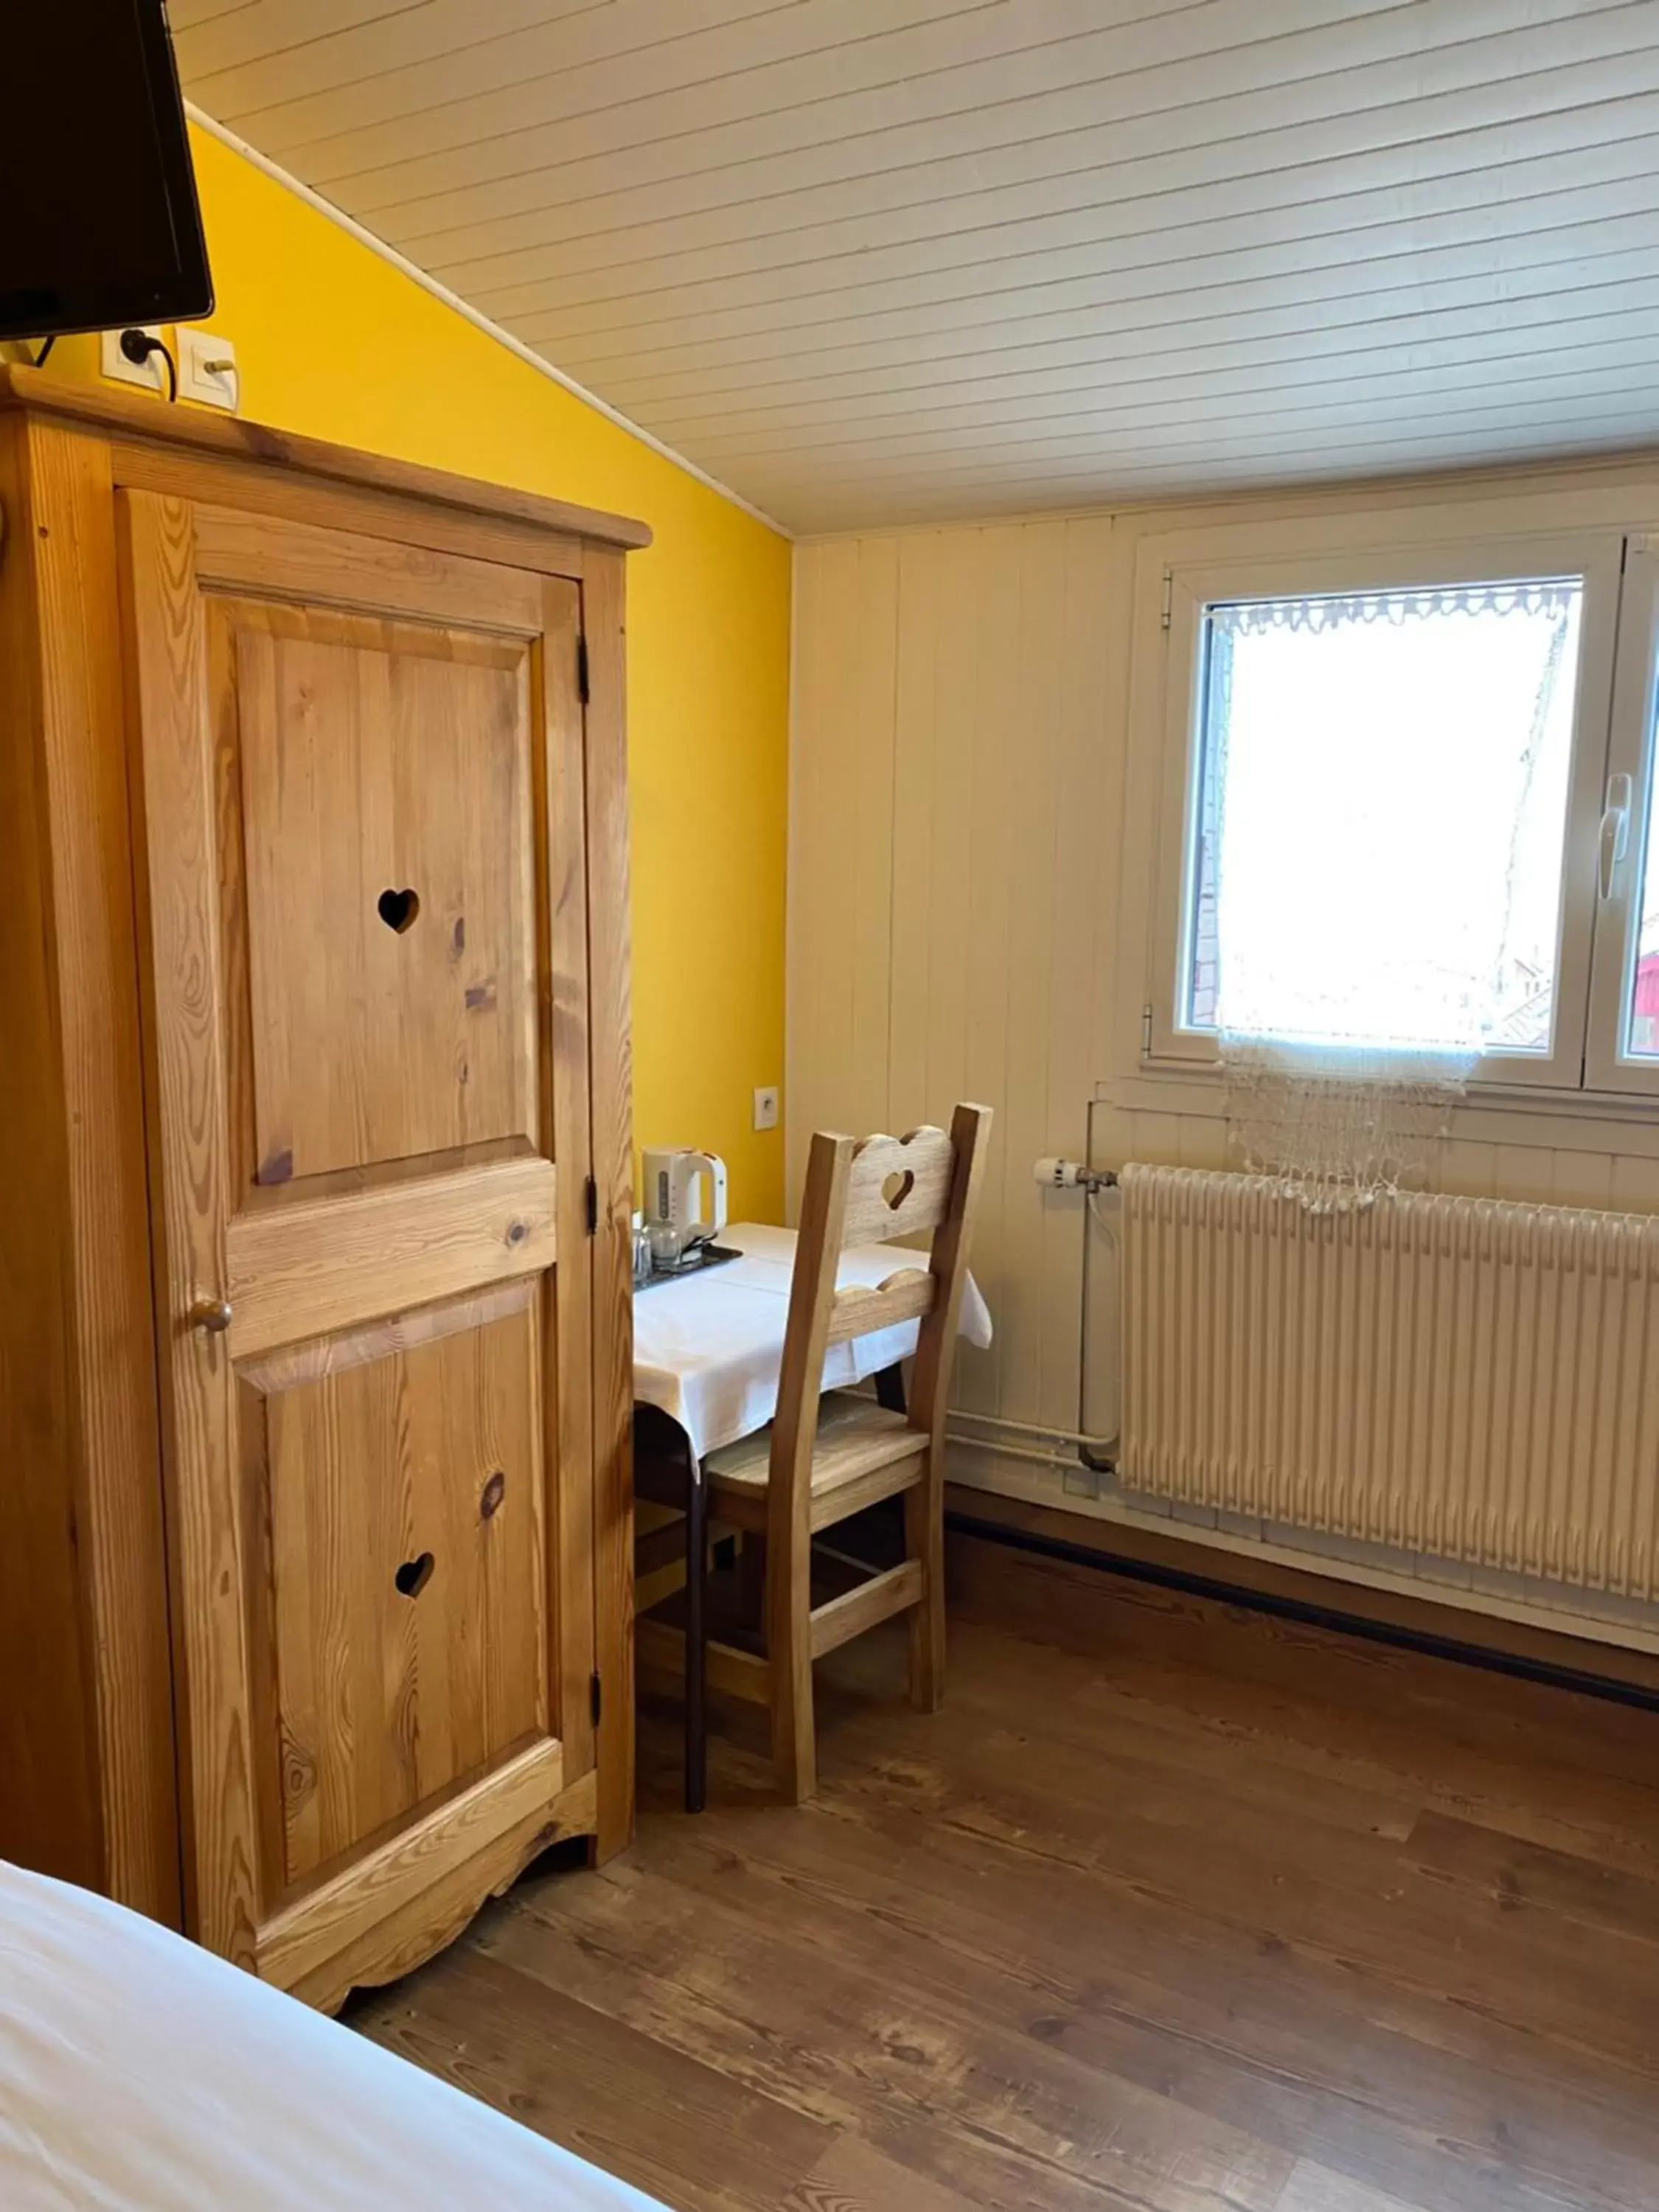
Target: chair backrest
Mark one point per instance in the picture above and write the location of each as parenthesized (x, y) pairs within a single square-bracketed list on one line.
[(871, 1191)]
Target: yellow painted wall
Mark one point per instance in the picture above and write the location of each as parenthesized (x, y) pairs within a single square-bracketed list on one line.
[(333, 341)]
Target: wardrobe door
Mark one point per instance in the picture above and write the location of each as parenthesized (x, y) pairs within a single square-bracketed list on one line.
[(361, 769)]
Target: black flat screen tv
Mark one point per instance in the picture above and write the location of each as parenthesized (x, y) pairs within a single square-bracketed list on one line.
[(99, 226)]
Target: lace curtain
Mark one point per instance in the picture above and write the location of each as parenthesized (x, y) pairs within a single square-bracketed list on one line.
[(1385, 780)]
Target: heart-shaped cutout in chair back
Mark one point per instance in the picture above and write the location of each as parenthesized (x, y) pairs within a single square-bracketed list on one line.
[(896, 1187)]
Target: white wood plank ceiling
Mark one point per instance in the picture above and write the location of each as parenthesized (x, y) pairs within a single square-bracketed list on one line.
[(879, 260)]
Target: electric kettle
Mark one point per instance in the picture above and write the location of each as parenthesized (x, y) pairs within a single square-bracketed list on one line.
[(672, 1175)]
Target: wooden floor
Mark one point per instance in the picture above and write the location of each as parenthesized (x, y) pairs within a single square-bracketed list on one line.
[(1172, 1907)]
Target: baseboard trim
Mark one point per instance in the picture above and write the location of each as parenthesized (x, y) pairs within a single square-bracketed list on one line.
[(1620, 1675), (1541, 1607)]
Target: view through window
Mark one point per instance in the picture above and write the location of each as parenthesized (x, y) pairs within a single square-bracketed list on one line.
[(1381, 816)]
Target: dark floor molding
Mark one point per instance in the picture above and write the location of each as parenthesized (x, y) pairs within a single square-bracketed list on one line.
[(1100, 1553)]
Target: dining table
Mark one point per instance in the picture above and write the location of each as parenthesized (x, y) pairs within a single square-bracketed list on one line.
[(708, 1358)]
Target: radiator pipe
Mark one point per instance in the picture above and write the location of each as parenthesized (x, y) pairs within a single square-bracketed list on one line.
[(1097, 1454), (1024, 1428), (1061, 1460)]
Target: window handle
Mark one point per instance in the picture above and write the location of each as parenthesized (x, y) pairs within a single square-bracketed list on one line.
[(1615, 830)]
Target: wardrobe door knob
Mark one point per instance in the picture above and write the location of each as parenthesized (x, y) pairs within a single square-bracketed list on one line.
[(212, 1314)]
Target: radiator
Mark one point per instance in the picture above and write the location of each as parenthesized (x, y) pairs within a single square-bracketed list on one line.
[(1451, 1375)]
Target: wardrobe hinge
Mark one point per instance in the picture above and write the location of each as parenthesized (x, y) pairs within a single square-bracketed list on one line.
[(1168, 607), (581, 669), (595, 1697), (592, 1202), (1146, 1032)]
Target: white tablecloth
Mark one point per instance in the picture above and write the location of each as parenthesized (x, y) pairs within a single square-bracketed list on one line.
[(138, 2073), (708, 1351)]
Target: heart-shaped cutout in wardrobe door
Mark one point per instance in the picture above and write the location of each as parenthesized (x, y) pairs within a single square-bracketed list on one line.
[(397, 910)]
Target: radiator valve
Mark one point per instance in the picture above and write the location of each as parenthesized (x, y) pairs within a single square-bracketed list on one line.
[(1070, 1174)]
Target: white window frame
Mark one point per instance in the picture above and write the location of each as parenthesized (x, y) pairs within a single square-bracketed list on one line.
[(1181, 579), (1630, 751)]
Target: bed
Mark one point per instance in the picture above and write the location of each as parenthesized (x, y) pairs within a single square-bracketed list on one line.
[(139, 2074)]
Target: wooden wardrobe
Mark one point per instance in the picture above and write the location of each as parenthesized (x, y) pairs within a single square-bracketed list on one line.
[(315, 1356)]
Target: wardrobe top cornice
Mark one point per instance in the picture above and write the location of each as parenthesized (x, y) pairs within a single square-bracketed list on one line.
[(134, 416)]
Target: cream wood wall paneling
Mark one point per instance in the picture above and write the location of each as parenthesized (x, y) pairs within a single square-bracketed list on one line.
[(951, 688), (871, 260), (965, 880)]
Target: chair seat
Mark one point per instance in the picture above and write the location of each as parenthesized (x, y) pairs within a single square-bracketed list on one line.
[(862, 1453)]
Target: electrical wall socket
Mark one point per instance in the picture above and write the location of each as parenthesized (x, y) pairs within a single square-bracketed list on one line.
[(207, 369), (766, 1107), (149, 375)]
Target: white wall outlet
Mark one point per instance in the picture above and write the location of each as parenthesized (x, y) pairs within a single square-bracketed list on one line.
[(766, 1107), (207, 369), (149, 375)]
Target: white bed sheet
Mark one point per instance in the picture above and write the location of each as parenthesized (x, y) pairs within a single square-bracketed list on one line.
[(139, 2074)]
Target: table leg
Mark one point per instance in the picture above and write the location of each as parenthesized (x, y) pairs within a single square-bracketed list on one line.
[(890, 1388), (751, 1581), (697, 1568)]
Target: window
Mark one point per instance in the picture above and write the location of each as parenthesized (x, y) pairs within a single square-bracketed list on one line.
[(1410, 803), (1396, 764), (1643, 1041), (1622, 1041)]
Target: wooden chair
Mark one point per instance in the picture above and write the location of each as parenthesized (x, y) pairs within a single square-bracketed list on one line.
[(827, 1456)]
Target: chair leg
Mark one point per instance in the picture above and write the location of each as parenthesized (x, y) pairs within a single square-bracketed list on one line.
[(924, 1540), (789, 1656), (697, 1569)]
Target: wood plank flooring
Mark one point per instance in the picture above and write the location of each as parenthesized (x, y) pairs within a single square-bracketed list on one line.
[(1173, 1907)]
